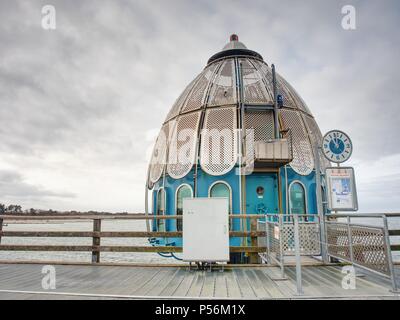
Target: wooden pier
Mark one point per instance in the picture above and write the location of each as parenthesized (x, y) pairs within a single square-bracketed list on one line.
[(96, 280), (24, 281)]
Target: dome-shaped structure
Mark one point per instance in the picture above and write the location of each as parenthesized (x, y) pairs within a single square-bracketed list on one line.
[(237, 116), (212, 100)]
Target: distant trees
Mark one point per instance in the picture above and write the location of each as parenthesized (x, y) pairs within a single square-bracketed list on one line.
[(12, 208)]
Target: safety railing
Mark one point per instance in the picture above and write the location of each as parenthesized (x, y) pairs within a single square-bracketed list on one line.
[(365, 246), (97, 234)]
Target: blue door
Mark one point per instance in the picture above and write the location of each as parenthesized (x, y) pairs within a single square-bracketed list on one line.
[(262, 193)]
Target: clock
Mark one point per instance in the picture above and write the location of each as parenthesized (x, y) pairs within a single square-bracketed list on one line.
[(337, 146)]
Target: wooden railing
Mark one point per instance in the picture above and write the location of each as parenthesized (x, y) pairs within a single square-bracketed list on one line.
[(96, 248)]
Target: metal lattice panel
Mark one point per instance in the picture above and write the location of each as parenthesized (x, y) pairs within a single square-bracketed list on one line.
[(182, 98), (158, 158), (367, 249), (338, 240), (303, 161), (296, 97), (182, 145), (309, 238), (218, 152), (316, 137), (262, 122), (273, 240), (223, 90), (197, 95), (255, 91)]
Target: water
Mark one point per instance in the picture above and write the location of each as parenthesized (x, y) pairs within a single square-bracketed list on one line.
[(111, 225), (106, 225)]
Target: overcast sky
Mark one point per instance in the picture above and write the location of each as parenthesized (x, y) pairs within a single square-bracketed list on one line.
[(80, 105)]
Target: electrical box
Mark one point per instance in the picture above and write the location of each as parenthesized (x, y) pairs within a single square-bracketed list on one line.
[(206, 229)]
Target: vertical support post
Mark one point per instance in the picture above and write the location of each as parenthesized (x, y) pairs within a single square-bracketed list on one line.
[(267, 233), (350, 239), (242, 150), (389, 255), (1, 227), (253, 228), (297, 253), (276, 123), (320, 207), (96, 240), (281, 252)]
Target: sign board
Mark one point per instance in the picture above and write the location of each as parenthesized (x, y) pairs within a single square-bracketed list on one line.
[(341, 189)]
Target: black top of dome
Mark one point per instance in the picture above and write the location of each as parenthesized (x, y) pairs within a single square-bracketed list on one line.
[(234, 48)]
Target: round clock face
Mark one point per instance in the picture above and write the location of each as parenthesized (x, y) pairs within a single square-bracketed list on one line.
[(337, 146)]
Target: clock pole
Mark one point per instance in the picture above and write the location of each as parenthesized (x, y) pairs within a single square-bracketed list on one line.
[(320, 207)]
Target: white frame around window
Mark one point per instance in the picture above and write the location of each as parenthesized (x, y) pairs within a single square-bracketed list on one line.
[(176, 193), (305, 194), (230, 192), (176, 198)]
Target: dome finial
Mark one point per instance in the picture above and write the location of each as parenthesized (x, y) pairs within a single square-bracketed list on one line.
[(234, 37)]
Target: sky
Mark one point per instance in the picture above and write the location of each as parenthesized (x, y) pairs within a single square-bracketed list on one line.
[(81, 105)]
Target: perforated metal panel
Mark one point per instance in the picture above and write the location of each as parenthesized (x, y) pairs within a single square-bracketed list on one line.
[(299, 102), (367, 244), (223, 90), (309, 238), (303, 161), (316, 137), (182, 145), (180, 101), (158, 158), (262, 122), (255, 91), (197, 95), (218, 152)]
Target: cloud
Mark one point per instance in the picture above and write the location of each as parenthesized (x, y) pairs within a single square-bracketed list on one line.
[(78, 103), (13, 186)]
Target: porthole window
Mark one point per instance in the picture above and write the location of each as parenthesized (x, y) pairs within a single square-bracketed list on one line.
[(260, 191), (184, 191)]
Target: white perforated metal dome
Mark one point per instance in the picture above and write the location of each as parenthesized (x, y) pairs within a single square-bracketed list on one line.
[(211, 101)]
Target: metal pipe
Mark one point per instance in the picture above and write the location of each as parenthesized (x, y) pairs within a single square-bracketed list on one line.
[(389, 254), (275, 89), (320, 207), (350, 239), (298, 257)]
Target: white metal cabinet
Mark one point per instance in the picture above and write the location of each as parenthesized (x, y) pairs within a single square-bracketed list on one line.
[(206, 229)]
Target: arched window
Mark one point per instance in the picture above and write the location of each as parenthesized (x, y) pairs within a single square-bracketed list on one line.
[(183, 191), (221, 189), (297, 203), (161, 199)]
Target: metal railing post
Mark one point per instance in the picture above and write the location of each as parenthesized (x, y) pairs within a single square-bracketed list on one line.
[(1, 227), (281, 253), (389, 254), (350, 238), (268, 242), (298, 257)]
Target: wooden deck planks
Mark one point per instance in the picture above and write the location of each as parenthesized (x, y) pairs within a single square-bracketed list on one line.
[(246, 282)]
